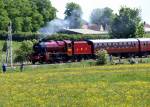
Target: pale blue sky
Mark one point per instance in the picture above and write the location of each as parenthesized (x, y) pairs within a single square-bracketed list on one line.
[(88, 5)]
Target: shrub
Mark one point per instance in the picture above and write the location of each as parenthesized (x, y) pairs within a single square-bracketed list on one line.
[(24, 51), (102, 57)]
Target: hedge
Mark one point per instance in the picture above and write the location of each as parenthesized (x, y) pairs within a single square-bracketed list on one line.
[(30, 36), (75, 37), (19, 36)]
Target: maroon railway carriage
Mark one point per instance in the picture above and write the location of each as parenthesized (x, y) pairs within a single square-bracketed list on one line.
[(121, 47), (144, 46)]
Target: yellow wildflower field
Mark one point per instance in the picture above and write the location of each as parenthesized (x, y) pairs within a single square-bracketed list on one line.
[(82, 86)]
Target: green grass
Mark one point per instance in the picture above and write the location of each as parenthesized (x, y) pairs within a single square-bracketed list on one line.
[(76, 85)]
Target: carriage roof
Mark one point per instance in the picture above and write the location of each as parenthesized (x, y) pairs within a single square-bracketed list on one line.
[(113, 40)]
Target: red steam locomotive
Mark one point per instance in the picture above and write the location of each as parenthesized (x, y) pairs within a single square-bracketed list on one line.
[(56, 51)]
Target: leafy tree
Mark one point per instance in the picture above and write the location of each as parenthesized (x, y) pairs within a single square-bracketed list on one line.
[(127, 24), (140, 30), (102, 17), (25, 15), (37, 21), (24, 51), (45, 8), (27, 22), (18, 24), (73, 15), (4, 19)]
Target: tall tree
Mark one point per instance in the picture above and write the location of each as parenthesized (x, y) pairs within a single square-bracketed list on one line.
[(73, 15), (102, 17), (4, 19), (26, 15), (127, 24)]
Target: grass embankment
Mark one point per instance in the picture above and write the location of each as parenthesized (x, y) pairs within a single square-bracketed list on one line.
[(77, 85)]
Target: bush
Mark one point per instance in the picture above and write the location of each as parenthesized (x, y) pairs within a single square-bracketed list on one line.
[(102, 57), (22, 54)]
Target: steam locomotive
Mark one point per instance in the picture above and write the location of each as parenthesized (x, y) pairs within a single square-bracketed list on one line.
[(68, 50)]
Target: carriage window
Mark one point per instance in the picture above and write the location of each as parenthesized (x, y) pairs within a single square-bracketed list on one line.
[(146, 43), (107, 44), (96, 45), (126, 45), (112, 44), (129, 43), (120, 45), (115, 45)]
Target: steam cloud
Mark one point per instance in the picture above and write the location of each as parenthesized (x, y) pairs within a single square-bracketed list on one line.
[(75, 19), (52, 27), (57, 25)]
